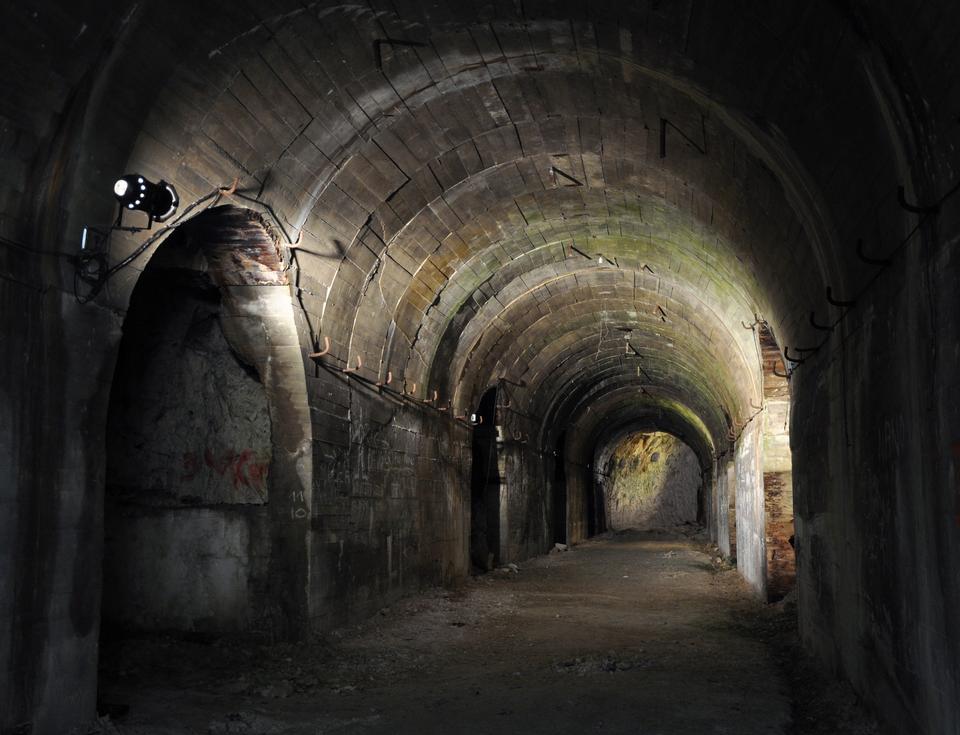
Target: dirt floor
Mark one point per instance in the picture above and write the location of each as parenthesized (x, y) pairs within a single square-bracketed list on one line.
[(631, 633)]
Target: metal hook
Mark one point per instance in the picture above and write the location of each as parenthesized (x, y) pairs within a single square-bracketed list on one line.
[(412, 391), (349, 369), (756, 407), (324, 351), (783, 374), (838, 302), (915, 208), (389, 379), (868, 260), (821, 327), (432, 400), (230, 190), (797, 360)]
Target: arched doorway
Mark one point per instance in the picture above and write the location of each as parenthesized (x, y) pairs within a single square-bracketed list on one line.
[(485, 488), (560, 491), (209, 442)]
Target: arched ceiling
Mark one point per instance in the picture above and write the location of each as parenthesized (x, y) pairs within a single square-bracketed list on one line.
[(587, 202)]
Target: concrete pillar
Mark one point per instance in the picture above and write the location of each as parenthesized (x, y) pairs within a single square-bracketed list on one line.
[(751, 544)]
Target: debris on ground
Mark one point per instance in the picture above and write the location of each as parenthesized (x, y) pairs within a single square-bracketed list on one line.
[(604, 664), (684, 621)]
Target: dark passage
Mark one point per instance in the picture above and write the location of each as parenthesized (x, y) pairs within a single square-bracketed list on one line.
[(485, 487), (560, 492)]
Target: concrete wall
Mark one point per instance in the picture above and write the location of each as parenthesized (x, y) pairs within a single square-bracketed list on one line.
[(188, 569), (51, 538), (723, 487), (876, 492), (731, 508)]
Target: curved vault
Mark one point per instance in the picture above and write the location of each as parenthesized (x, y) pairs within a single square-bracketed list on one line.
[(542, 203), (453, 189), (551, 205), (590, 229)]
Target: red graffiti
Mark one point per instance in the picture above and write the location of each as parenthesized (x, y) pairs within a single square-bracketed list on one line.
[(247, 471), (242, 467)]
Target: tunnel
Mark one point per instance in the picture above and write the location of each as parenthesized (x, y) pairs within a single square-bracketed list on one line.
[(410, 319)]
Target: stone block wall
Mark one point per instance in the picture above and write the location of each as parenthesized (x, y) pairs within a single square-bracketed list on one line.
[(391, 499), (778, 498)]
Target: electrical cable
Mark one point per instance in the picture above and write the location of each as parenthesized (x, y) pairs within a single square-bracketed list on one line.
[(212, 198)]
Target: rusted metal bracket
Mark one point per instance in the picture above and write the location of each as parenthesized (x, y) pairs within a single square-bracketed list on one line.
[(839, 302), (819, 327), (915, 208), (868, 260), (663, 136), (324, 351), (796, 360), (554, 172), (230, 190)]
